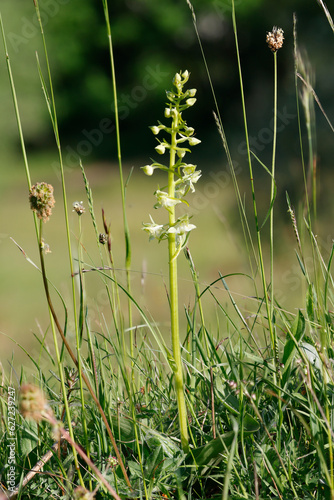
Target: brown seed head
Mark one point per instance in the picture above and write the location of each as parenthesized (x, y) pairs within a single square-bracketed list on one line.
[(33, 404), (42, 200), (80, 493), (103, 238), (275, 39)]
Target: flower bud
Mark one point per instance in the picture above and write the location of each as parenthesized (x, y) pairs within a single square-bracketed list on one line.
[(148, 169), (173, 112), (181, 153), (189, 131), (112, 461), (185, 75), (177, 79), (191, 101), (193, 141), (192, 92), (167, 112), (170, 95), (160, 149), (155, 129)]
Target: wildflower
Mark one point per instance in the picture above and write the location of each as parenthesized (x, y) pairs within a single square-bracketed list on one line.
[(191, 179), (191, 101), (154, 230), (78, 208), (188, 168), (80, 493), (160, 148), (177, 80), (41, 200), (148, 169), (33, 404), (181, 229), (193, 141), (181, 152), (164, 200), (182, 226), (189, 131), (155, 129), (275, 39), (191, 92), (45, 247), (170, 95), (112, 461)]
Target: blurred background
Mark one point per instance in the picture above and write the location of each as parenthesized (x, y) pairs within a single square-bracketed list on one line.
[(152, 41)]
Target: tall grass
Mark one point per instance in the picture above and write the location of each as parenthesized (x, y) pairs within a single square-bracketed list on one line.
[(240, 410)]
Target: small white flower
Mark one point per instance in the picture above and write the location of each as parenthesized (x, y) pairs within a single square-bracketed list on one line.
[(188, 168), (192, 92), (154, 230), (181, 229), (174, 112), (191, 101), (155, 129), (181, 153), (191, 179), (189, 131), (164, 200), (170, 95), (182, 226), (185, 75), (160, 148), (177, 79), (167, 112), (148, 169), (180, 190), (193, 141)]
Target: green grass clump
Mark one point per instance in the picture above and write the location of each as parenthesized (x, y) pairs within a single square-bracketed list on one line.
[(240, 407)]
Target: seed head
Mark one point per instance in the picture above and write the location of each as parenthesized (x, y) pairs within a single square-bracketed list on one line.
[(103, 238), (33, 404), (275, 39), (80, 493), (42, 200), (78, 207)]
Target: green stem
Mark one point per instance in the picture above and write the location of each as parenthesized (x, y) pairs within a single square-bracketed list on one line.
[(59, 363), (272, 190), (272, 194), (78, 339), (174, 302), (274, 341), (259, 244), (84, 376), (123, 190)]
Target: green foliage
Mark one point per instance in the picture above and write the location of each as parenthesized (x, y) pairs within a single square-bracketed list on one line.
[(258, 384)]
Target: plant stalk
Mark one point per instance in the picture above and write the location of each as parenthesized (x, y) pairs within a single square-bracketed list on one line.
[(174, 301)]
